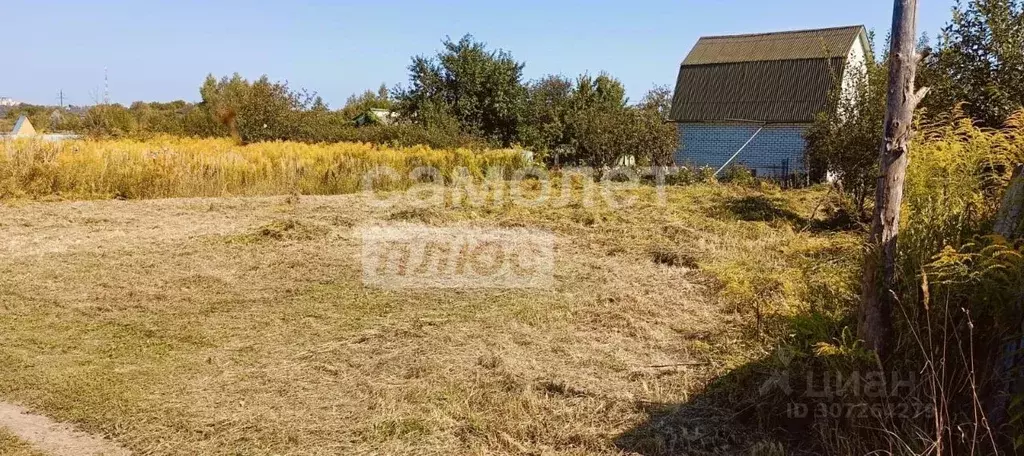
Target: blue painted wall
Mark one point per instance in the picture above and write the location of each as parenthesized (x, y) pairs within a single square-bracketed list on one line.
[(711, 145)]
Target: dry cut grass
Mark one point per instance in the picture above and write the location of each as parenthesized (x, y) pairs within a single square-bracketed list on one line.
[(241, 325)]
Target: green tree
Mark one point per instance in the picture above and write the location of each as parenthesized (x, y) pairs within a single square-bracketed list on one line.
[(110, 120), (595, 121), (548, 105), (259, 111), (663, 136), (979, 60), (603, 92), (659, 100), (268, 112), (358, 104), (603, 137), (467, 84), (844, 142), (588, 121), (221, 101)]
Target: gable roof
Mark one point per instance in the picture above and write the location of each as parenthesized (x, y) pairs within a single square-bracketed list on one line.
[(23, 127), (764, 77), (759, 47)]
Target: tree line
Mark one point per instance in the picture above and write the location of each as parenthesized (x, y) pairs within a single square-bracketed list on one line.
[(464, 96)]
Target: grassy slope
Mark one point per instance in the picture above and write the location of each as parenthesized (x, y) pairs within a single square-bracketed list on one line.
[(175, 327)]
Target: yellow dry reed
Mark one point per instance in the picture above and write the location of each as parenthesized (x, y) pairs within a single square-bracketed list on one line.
[(181, 167)]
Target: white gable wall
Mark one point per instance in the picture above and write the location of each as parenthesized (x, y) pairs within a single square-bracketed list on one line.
[(856, 68)]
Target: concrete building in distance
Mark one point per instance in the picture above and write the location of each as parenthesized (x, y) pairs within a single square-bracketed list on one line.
[(23, 128), (748, 99)]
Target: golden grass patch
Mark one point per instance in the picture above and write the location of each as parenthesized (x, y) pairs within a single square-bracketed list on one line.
[(166, 167)]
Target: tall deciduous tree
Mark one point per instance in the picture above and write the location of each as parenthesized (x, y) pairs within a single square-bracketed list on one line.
[(603, 129), (601, 92), (545, 120), (587, 121), (979, 60), (879, 280), (259, 111), (481, 90), (659, 100), (356, 105)]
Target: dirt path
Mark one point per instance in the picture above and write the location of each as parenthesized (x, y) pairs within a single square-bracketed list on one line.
[(52, 437)]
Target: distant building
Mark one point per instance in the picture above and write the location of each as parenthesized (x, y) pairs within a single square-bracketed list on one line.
[(748, 99), (23, 128), (375, 116), (4, 101)]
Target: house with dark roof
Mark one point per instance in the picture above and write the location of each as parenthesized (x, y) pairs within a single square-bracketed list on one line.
[(748, 99)]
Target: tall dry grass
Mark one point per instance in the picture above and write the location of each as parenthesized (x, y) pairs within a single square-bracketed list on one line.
[(959, 300), (180, 167), (960, 303), (958, 315)]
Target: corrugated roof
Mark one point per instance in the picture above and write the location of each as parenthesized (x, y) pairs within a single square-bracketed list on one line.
[(758, 47), (767, 77)]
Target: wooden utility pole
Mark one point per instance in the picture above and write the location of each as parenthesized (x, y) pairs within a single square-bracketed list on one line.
[(879, 280)]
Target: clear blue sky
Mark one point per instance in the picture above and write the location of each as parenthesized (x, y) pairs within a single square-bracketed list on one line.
[(161, 50)]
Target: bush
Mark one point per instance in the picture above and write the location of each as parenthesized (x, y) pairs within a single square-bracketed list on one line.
[(737, 174), (113, 120), (687, 175), (604, 137), (40, 116)]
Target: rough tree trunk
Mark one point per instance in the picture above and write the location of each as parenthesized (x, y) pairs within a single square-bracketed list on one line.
[(880, 265), (1009, 382), (1012, 208)]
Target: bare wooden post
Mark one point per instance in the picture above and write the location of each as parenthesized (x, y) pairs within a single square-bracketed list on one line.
[(1009, 381), (1012, 208), (879, 277)]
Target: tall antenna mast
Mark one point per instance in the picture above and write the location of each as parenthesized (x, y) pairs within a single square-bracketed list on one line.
[(106, 87)]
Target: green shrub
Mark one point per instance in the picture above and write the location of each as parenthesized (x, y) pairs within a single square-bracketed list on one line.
[(737, 174), (843, 143)]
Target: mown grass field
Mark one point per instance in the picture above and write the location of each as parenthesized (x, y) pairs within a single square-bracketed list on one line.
[(241, 325)]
